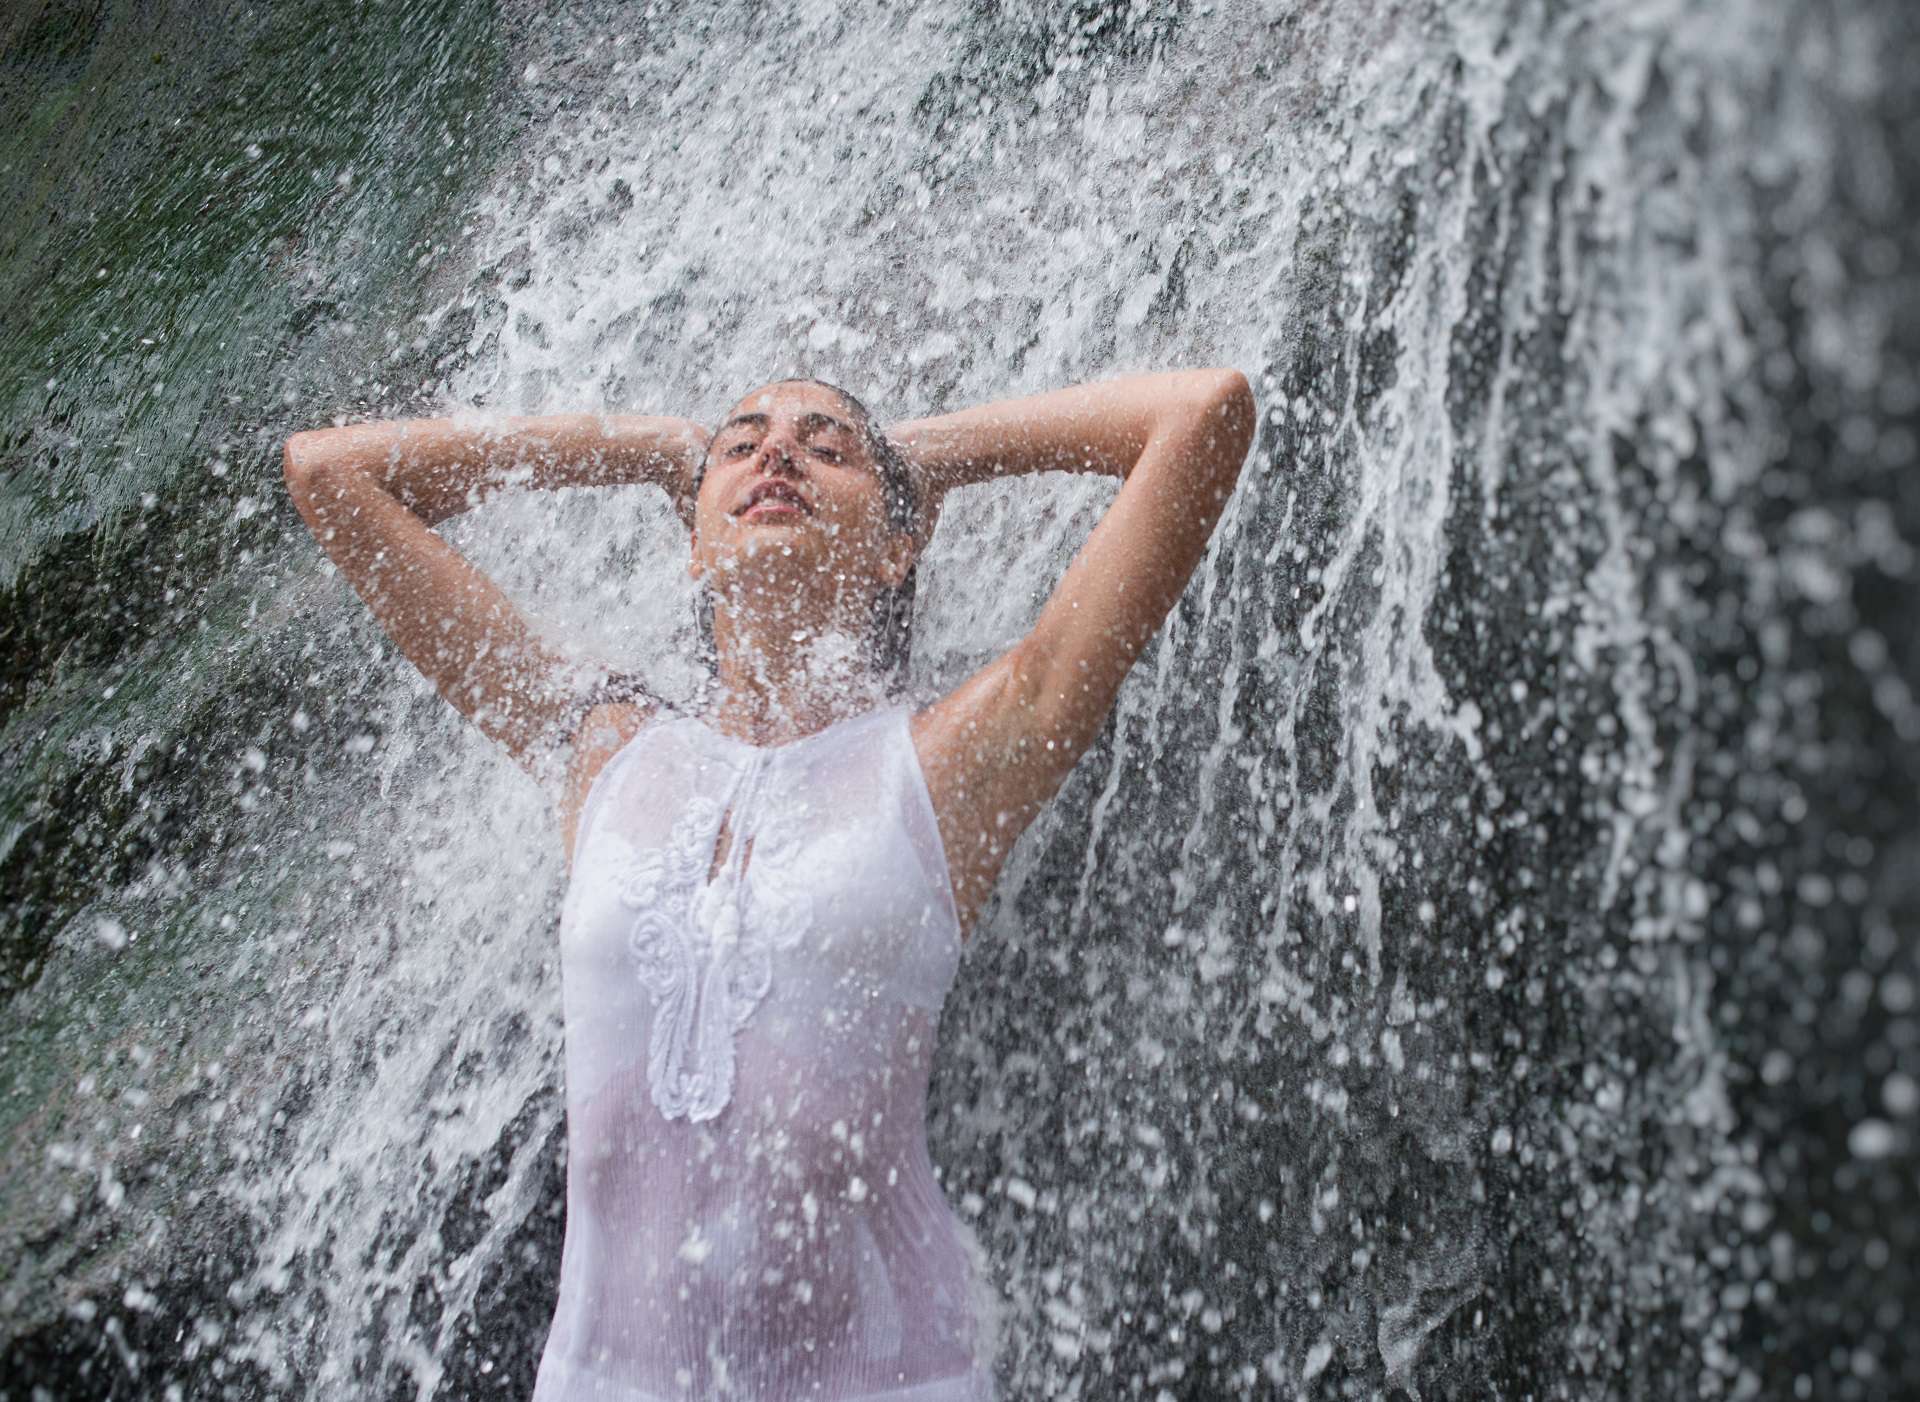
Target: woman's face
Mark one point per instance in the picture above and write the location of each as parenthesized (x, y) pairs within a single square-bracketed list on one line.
[(793, 500)]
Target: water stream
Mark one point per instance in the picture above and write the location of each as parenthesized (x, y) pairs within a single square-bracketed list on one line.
[(1476, 959)]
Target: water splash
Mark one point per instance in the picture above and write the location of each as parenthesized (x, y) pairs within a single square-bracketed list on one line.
[(1358, 1017)]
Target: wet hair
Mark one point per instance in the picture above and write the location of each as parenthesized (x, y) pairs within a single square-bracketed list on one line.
[(889, 641)]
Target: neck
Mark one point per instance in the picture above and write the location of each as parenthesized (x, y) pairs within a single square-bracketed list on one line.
[(780, 679)]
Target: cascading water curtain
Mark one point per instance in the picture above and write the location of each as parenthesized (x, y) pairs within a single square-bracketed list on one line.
[(1475, 961)]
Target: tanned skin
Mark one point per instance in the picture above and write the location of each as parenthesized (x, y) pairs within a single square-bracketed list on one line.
[(791, 532)]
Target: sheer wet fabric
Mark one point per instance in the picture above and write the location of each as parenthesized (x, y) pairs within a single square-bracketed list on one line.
[(755, 946)]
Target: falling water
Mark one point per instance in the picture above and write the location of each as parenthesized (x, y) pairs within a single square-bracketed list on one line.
[(1475, 961)]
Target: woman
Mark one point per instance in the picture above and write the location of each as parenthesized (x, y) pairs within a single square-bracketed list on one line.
[(768, 890)]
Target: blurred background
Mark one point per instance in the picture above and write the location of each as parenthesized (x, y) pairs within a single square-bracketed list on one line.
[(1478, 958)]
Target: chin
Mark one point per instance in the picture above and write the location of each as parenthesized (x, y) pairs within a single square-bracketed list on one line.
[(786, 558)]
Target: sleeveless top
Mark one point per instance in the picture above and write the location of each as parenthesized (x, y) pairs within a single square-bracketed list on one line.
[(751, 1210)]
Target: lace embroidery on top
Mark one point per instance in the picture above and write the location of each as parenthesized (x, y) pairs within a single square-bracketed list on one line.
[(704, 950)]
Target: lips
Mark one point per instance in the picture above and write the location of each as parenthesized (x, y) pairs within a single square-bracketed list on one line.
[(772, 489)]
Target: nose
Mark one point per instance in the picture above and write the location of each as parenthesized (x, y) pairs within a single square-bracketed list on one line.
[(777, 450)]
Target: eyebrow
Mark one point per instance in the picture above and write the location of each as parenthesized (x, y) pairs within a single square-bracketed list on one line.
[(809, 422)]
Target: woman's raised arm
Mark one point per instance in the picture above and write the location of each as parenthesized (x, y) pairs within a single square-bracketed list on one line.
[(370, 493), (1000, 745)]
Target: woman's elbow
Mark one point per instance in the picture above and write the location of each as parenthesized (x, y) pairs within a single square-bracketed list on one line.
[(312, 450), (295, 463), (1230, 408), (308, 460), (301, 455)]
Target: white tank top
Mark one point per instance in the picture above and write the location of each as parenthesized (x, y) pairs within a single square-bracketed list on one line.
[(751, 1211)]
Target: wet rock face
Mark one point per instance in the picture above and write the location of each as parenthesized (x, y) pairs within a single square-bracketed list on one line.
[(1473, 961)]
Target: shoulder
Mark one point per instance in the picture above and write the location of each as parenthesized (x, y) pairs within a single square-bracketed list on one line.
[(602, 731), (582, 699), (604, 728), (591, 703)]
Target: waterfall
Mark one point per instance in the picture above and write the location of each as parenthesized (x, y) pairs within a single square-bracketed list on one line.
[(1475, 959)]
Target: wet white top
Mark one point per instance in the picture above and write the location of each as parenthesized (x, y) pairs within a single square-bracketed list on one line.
[(751, 1211)]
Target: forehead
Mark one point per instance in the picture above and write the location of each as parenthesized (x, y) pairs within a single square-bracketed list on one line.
[(793, 398), (789, 399)]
